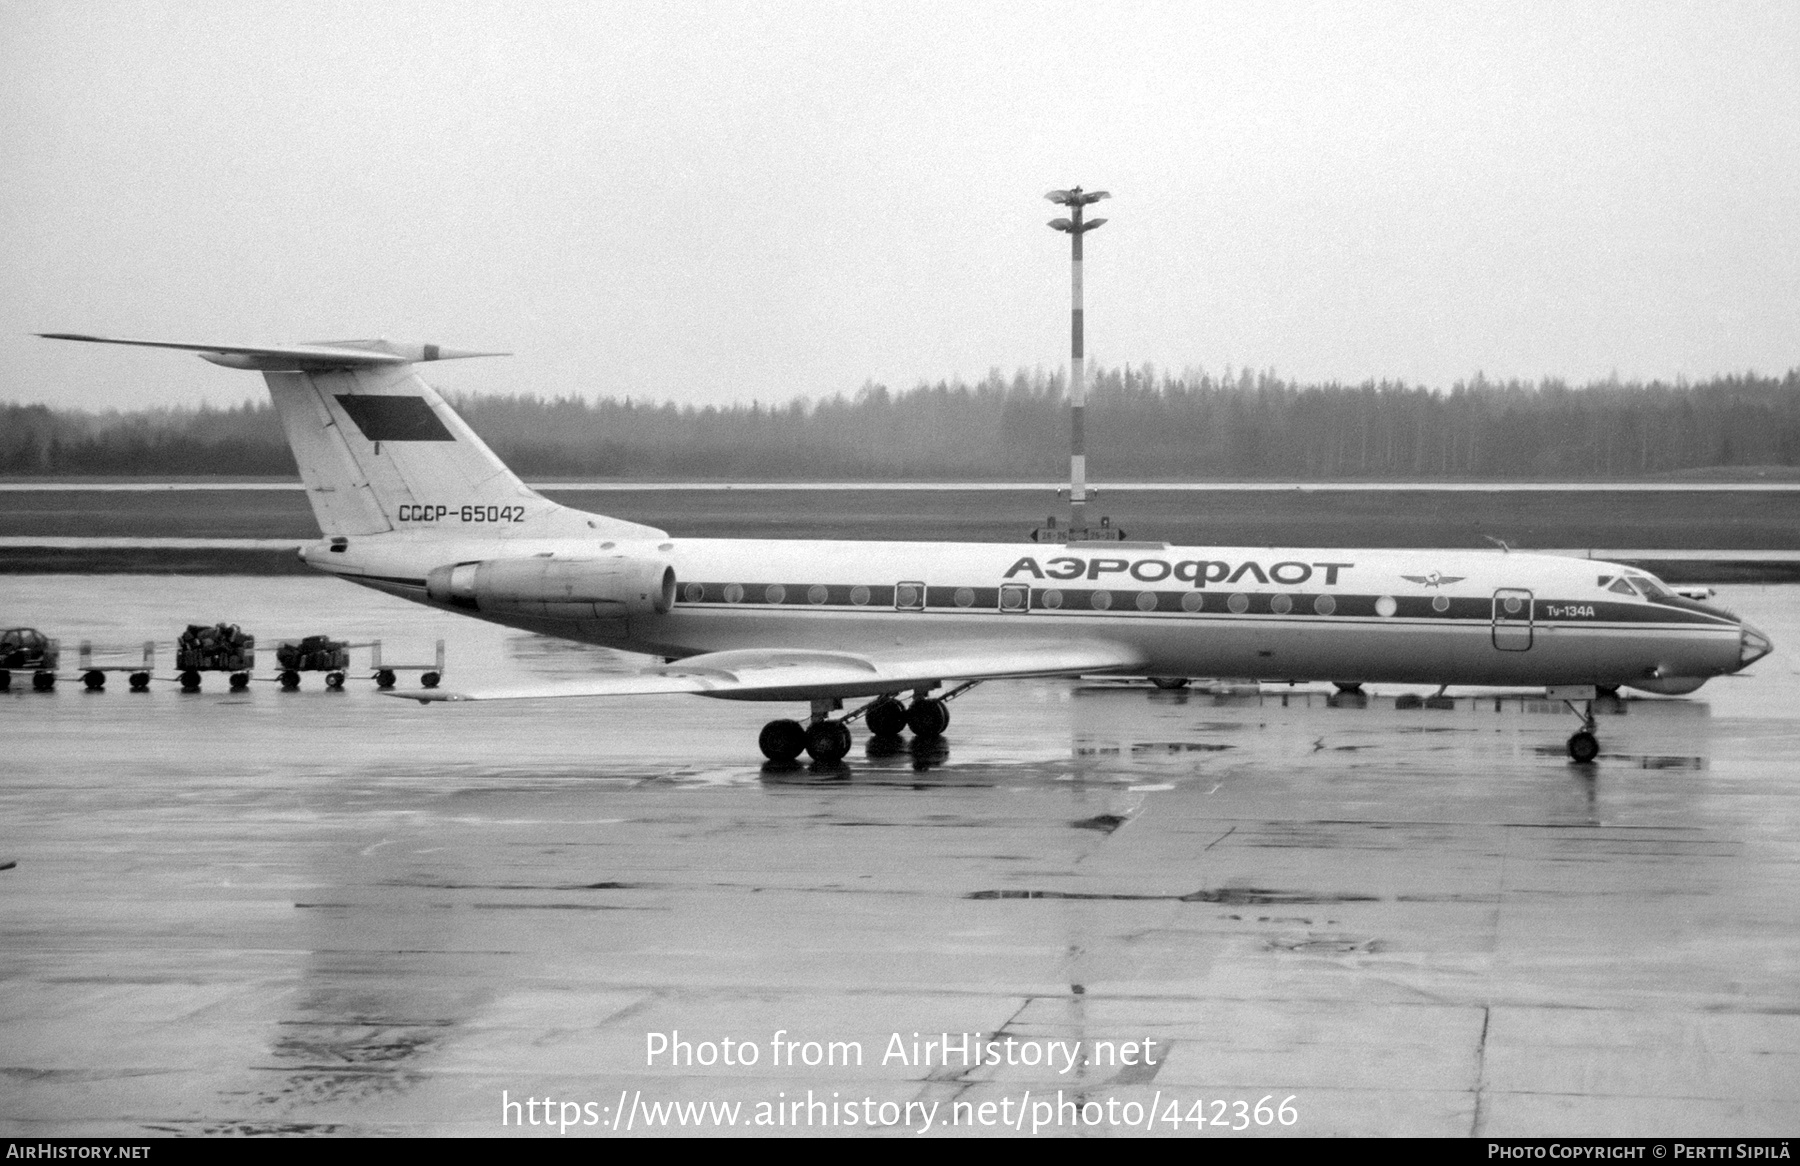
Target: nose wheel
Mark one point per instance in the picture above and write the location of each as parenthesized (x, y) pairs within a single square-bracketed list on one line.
[(1584, 746)]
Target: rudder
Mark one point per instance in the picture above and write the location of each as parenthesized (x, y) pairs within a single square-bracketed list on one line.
[(381, 450), (377, 446)]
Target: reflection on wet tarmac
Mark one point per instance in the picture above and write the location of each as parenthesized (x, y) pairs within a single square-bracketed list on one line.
[(300, 913), (546, 656)]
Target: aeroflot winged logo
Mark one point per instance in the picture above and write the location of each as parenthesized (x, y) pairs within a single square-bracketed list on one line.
[(1199, 572), (1435, 579)]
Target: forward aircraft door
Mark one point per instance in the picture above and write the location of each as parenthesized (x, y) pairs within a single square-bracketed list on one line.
[(1512, 620)]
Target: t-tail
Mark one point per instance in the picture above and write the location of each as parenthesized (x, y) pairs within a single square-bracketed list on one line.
[(379, 449)]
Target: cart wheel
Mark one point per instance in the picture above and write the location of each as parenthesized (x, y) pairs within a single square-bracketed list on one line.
[(384, 679), (334, 681), (5, 680), (95, 681), (290, 680), (430, 679), (240, 681), (190, 681), (43, 681), (140, 681)]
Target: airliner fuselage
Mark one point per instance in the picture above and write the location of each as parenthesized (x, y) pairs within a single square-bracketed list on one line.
[(1280, 614)]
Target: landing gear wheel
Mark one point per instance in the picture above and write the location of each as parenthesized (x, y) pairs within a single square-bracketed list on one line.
[(190, 681), (240, 681), (429, 680), (1168, 683), (43, 681), (384, 679), (334, 681), (140, 682), (1583, 748), (828, 741), (782, 740), (928, 718), (290, 680), (886, 718), (95, 681)]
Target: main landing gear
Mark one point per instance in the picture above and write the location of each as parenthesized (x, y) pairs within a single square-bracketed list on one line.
[(827, 741)]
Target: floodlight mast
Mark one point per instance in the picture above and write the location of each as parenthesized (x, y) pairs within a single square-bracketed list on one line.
[(1076, 199)]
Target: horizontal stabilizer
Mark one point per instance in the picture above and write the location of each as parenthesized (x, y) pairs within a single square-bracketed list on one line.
[(318, 357), (804, 674)]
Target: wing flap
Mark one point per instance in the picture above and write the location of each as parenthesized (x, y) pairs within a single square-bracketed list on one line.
[(805, 674)]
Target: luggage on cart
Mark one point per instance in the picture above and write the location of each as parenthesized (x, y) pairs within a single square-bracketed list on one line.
[(222, 647), (28, 650), (313, 654)]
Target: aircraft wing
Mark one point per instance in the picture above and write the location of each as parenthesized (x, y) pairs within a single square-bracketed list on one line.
[(806, 674)]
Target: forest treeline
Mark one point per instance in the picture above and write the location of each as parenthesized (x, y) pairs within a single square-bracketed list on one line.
[(1142, 425)]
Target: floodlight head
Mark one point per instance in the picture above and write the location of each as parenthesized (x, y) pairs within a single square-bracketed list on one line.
[(1062, 224), (1093, 196), (1091, 224), (1059, 196)]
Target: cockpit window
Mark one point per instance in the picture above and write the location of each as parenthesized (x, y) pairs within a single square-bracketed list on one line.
[(1652, 588), (1622, 587)]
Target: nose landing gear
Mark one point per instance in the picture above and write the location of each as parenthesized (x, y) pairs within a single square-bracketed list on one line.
[(1584, 746)]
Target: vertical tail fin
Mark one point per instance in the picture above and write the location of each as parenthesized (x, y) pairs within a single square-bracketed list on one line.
[(380, 450)]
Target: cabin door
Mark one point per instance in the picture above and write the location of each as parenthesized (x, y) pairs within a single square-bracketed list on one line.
[(1512, 620)]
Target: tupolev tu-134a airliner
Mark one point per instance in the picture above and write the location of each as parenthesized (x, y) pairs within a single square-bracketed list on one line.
[(411, 502)]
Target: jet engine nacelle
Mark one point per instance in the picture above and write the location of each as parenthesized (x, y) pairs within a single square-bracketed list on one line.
[(610, 588)]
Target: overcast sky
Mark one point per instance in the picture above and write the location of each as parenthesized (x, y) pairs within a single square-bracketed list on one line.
[(716, 201)]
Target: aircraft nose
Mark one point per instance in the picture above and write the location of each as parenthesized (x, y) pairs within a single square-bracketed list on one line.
[(1752, 645)]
